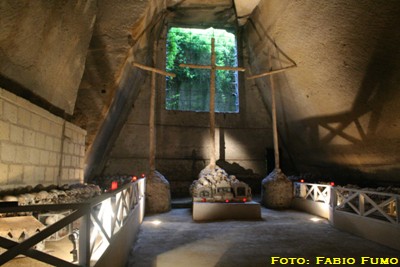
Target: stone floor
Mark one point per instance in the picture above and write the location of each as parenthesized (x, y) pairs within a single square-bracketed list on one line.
[(173, 240)]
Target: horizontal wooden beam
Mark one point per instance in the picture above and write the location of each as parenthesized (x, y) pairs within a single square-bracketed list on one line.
[(269, 73), (194, 66), (144, 67)]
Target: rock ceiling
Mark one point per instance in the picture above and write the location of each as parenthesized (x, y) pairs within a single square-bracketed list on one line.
[(202, 12)]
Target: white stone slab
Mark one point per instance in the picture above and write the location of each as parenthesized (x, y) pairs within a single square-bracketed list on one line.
[(209, 211)]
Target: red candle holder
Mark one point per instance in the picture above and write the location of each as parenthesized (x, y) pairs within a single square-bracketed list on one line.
[(114, 185)]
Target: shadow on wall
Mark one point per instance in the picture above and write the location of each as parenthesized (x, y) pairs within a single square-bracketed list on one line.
[(364, 134), (235, 169), (244, 175), (96, 80), (180, 186)]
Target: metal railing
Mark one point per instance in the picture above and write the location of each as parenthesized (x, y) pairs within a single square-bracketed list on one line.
[(369, 204), (99, 220)]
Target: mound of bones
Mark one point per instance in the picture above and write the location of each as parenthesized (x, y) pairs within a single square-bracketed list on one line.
[(214, 185)]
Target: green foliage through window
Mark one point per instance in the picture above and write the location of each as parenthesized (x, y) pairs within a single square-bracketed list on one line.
[(190, 89)]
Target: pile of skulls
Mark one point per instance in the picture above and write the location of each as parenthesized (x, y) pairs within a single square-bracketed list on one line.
[(212, 178), (381, 189), (52, 194)]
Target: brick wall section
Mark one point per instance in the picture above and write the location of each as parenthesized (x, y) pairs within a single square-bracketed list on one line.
[(34, 144)]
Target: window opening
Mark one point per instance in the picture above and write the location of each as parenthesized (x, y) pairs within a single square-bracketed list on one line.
[(190, 89)]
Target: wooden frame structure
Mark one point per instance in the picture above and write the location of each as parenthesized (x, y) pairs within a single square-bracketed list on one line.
[(152, 112), (368, 204), (95, 235), (364, 203), (369, 214), (313, 192), (213, 68)]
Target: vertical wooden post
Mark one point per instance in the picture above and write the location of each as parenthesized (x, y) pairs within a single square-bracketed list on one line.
[(152, 130), (277, 188), (361, 203), (274, 120), (328, 195), (274, 124), (213, 67), (212, 106), (398, 210), (303, 190)]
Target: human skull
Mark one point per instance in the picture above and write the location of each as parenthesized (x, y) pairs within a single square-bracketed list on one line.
[(22, 200), (232, 179), (41, 197), (72, 192), (50, 220), (30, 199), (10, 198), (210, 178), (202, 180), (61, 195), (52, 198)]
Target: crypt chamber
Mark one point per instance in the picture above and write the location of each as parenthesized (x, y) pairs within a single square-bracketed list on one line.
[(104, 104)]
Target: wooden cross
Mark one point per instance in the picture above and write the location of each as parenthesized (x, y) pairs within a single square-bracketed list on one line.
[(212, 67), (273, 104), (152, 130)]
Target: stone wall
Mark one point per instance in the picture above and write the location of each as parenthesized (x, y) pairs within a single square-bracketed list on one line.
[(43, 46), (338, 110), (106, 120), (183, 138), (36, 146)]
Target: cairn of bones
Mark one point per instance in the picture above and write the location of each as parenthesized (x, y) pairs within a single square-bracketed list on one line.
[(40, 195), (215, 185)]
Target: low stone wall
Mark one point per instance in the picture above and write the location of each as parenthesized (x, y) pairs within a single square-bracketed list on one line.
[(317, 208), (309, 198), (37, 146), (378, 231)]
